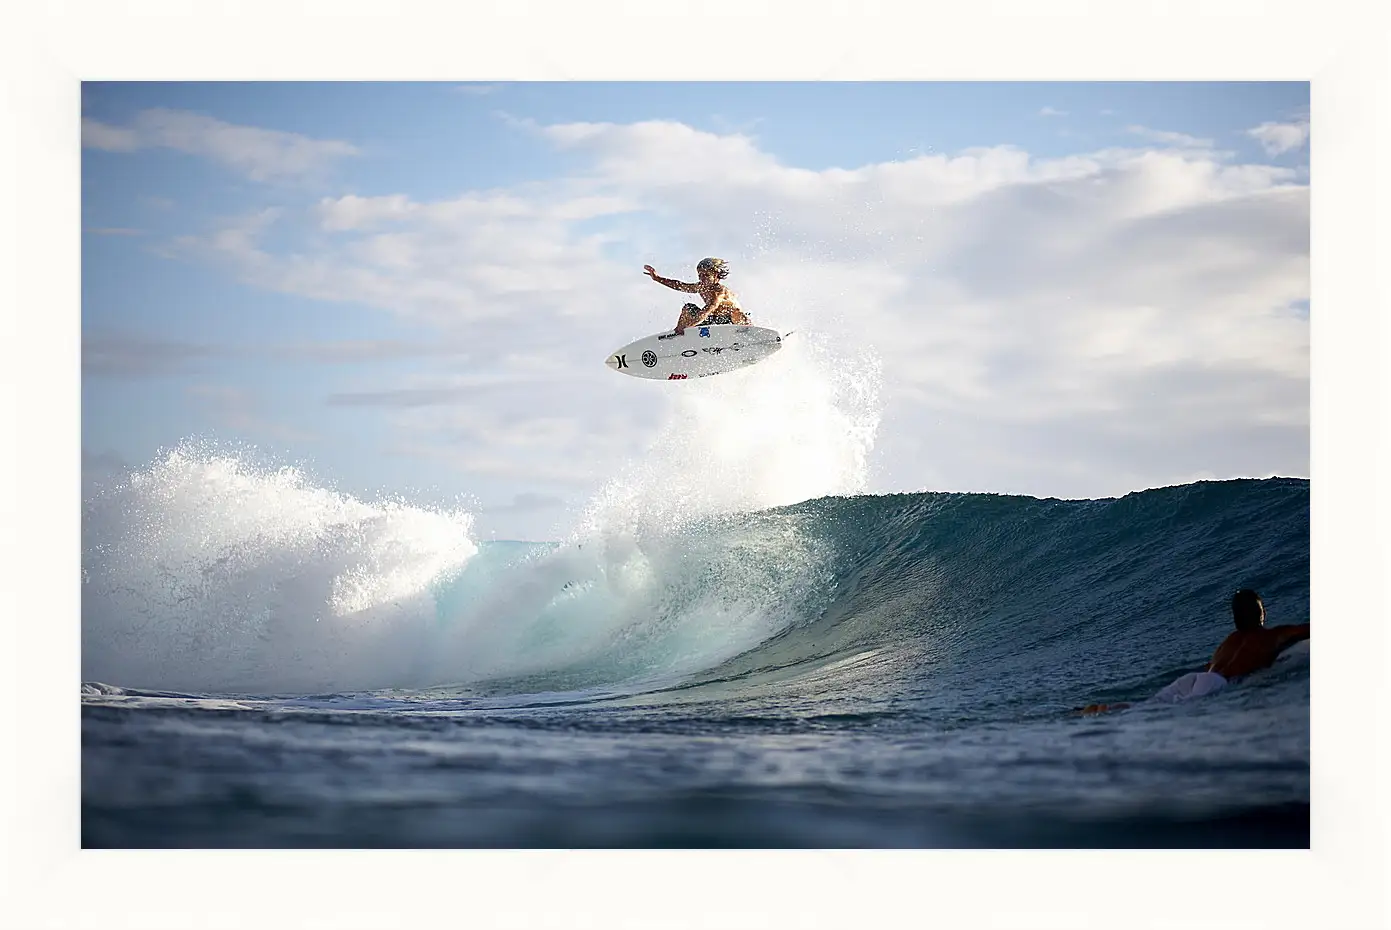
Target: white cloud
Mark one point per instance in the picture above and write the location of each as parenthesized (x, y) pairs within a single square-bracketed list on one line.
[(1170, 138), (354, 212), (1050, 111), (97, 135), (260, 154), (1278, 138), (1072, 326)]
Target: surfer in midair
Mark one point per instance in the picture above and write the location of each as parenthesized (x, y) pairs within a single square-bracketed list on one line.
[(721, 304)]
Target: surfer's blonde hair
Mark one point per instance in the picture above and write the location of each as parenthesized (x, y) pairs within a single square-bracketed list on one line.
[(718, 266)]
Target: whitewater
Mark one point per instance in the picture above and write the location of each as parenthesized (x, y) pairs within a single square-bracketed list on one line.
[(756, 652)]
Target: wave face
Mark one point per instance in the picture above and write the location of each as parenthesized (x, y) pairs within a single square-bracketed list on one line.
[(996, 604), (979, 606), (205, 574)]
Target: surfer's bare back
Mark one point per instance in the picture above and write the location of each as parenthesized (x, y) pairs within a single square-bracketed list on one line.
[(721, 304)]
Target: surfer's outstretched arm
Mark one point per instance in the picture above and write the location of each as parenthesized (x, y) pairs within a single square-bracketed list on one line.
[(1289, 635), (672, 283)]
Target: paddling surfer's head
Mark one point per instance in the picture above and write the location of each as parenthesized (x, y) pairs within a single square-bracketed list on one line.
[(712, 270), (1248, 611)]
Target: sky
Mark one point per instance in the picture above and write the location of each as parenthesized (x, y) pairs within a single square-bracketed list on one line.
[(408, 289)]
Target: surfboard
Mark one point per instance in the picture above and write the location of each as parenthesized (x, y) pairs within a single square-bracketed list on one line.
[(699, 352)]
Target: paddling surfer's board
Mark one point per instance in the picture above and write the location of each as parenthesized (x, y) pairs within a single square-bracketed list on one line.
[(699, 352)]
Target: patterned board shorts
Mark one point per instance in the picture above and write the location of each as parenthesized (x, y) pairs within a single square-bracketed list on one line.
[(718, 316)]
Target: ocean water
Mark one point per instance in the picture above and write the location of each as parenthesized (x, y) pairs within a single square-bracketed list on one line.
[(773, 660)]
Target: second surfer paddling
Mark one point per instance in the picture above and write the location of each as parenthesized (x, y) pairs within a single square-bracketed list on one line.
[(1252, 646)]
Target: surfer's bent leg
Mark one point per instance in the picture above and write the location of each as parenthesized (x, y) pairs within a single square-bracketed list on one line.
[(688, 313)]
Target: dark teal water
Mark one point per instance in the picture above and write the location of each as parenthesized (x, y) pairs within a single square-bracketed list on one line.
[(894, 670)]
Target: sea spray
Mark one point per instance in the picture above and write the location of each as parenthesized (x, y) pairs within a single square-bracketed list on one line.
[(798, 426), (207, 571), (672, 568)]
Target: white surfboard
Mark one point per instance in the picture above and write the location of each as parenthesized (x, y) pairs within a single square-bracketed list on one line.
[(699, 352)]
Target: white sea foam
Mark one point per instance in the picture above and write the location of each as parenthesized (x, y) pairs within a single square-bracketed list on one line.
[(203, 571)]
